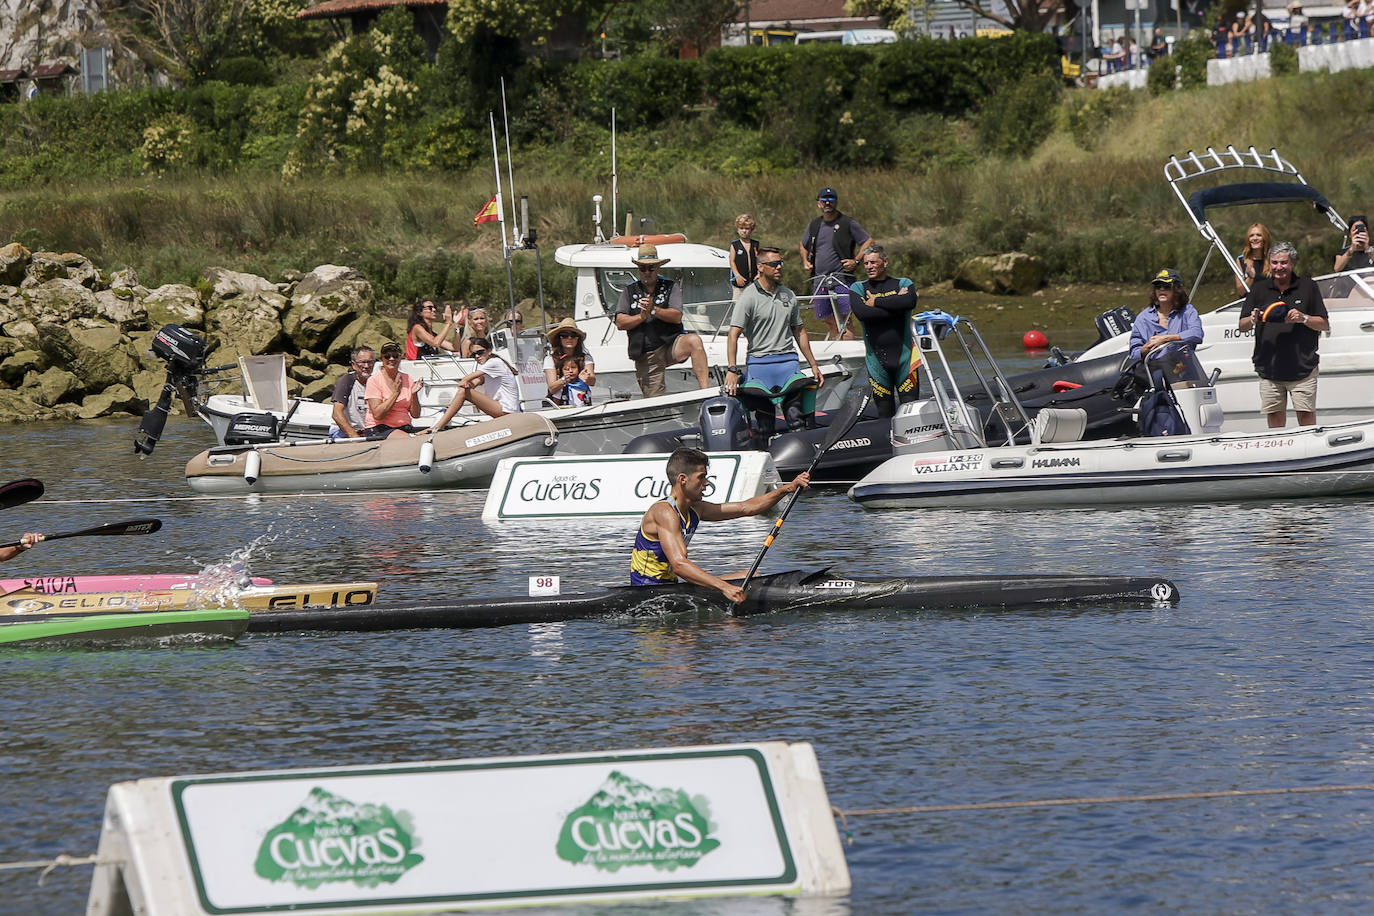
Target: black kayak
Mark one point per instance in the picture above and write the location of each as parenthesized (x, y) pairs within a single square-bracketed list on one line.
[(787, 591)]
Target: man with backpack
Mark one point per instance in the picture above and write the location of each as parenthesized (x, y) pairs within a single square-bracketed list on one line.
[(830, 252)]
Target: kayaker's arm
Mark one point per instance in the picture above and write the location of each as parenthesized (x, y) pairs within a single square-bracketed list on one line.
[(669, 536), (29, 539), (755, 505)]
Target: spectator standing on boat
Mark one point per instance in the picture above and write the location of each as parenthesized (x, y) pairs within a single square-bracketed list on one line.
[(1169, 317), (660, 551), (1355, 254), (574, 392), (500, 394), (769, 314), (884, 306), (26, 542), (1254, 260), (650, 314), (830, 252), (744, 255), (421, 340), (1287, 314), (475, 326), (567, 339), (350, 396), (392, 400)]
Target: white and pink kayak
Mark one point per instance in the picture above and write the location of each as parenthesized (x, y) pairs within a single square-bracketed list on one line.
[(67, 585)]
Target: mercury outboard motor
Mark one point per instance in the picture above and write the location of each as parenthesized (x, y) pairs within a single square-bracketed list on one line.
[(184, 352), (1113, 323), (252, 428), (724, 425)]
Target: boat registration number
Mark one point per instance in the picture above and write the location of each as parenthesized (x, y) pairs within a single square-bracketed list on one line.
[(1257, 443)]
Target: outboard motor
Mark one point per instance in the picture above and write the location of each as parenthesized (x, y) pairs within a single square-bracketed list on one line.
[(252, 428), (1113, 323), (724, 425), (184, 352)]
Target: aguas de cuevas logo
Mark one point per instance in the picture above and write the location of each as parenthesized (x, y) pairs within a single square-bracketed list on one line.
[(331, 839), (629, 823)]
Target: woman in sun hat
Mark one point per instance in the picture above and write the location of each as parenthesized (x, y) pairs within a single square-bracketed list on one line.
[(566, 339)]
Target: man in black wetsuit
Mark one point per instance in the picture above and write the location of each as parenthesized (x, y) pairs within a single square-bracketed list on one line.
[(884, 306)]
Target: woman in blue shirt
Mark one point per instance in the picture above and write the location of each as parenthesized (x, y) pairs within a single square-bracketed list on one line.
[(1169, 317)]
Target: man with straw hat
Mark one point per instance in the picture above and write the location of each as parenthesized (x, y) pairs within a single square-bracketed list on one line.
[(650, 314), (565, 342)]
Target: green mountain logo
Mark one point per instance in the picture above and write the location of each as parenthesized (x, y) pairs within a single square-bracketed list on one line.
[(331, 839), (629, 823)]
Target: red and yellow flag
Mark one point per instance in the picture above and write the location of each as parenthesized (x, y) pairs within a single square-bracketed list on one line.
[(490, 213)]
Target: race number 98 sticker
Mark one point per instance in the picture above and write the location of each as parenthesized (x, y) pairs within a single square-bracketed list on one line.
[(543, 585)]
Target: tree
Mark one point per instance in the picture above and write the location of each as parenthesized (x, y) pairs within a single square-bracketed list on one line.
[(187, 38), (1026, 15)]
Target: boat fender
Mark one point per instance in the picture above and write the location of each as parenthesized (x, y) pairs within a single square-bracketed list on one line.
[(252, 467), (634, 241), (426, 457)]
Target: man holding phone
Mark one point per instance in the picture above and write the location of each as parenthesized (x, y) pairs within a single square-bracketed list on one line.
[(650, 314), (1356, 252)]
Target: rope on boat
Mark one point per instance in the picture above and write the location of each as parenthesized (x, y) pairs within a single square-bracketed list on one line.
[(49, 865), (844, 815)]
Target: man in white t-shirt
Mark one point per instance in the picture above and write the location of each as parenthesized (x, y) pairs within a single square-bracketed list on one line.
[(500, 392), (350, 396)]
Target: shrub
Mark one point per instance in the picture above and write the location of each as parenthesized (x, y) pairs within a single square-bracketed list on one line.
[(243, 71), (167, 144), (1191, 54), (1016, 120), (643, 90), (1283, 59), (1163, 75), (1089, 113)]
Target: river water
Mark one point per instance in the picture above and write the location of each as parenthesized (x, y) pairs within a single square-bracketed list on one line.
[(1261, 678)]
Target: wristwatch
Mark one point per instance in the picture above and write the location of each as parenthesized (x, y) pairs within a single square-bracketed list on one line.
[(734, 369)]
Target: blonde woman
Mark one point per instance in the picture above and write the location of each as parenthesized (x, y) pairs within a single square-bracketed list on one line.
[(475, 327), (1254, 260)]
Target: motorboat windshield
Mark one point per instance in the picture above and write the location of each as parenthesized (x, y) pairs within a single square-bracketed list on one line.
[(705, 293), (1178, 365)]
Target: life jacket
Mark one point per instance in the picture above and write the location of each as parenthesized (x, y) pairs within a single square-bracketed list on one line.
[(843, 239)]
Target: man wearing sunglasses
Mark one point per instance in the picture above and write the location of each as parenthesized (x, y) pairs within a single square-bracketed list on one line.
[(350, 396), (830, 252), (650, 314), (769, 314)]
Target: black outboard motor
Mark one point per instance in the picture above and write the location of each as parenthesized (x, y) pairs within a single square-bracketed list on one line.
[(252, 428), (724, 425), (184, 352), (1114, 322)]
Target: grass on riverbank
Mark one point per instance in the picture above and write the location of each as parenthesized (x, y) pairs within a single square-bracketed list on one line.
[(1104, 215)]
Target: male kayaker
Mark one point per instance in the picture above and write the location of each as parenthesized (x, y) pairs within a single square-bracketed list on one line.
[(27, 541), (660, 551)]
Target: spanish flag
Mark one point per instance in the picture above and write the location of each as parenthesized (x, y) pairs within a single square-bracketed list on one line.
[(490, 213)]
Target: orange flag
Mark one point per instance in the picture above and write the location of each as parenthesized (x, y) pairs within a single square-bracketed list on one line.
[(490, 213)]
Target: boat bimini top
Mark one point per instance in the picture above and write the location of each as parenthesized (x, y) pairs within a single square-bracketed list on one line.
[(1189, 167)]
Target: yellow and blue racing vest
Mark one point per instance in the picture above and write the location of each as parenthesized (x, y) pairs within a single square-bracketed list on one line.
[(648, 565)]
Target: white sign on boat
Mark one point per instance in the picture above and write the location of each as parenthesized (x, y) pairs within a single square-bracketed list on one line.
[(421, 837), (584, 485)]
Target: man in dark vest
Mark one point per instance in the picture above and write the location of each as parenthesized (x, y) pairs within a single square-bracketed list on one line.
[(1288, 316), (650, 314), (830, 252)]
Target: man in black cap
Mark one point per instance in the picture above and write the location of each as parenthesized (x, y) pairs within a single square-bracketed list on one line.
[(830, 252)]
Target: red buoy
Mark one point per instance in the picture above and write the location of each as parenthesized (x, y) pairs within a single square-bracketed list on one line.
[(1034, 340)]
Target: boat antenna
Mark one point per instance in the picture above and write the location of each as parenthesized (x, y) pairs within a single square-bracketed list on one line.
[(615, 186), (515, 235), (500, 212)]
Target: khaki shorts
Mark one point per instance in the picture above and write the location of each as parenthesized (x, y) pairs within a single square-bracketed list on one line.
[(1274, 395), (650, 368)]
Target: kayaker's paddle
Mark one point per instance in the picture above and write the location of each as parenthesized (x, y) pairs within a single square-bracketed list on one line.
[(136, 526), (839, 427), (18, 492)]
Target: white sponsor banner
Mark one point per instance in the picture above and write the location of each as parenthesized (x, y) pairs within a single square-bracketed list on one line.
[(560, 487), (406, 838)]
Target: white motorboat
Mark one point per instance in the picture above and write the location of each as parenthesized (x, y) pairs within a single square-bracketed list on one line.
[(1347, 350), (945, 456), (464, 457), (605, 267), (264, 412)]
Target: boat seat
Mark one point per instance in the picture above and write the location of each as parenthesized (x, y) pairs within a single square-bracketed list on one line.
[(1060, 424), (264, 382)]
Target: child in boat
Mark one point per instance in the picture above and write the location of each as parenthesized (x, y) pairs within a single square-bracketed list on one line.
[(575, 392)]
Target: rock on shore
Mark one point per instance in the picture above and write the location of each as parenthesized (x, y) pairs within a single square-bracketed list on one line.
[(75, 340)]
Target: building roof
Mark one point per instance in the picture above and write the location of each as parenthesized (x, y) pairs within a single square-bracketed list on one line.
[(332, 9), (799, 11), (12, 76), (48, 71)]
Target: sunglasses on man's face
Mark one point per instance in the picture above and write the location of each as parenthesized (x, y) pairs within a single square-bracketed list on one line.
[(647, 270), (364, 363), (777, 264)]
